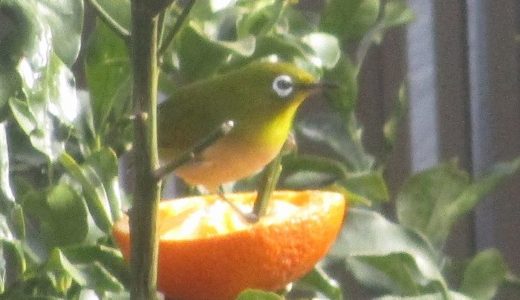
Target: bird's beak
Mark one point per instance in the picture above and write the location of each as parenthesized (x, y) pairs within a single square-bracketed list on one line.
[(320, 85)]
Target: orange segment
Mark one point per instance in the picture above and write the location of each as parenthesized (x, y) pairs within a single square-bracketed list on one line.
[(206, 251)]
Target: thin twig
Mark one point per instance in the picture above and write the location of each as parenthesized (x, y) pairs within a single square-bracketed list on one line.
[(109, 21), (176, 27), (189, 155)]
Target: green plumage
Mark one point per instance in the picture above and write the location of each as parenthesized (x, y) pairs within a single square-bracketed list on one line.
[(245, 96)]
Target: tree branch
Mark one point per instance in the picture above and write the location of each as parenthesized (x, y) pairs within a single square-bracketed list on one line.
[(143, 216)]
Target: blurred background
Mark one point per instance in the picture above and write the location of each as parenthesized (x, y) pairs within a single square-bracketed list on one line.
[(461, 61)]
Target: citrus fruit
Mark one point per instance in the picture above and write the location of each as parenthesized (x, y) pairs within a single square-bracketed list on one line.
[(207, 251)]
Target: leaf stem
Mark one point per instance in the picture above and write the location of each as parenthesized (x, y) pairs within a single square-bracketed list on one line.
[(189, 155), (109, 21), (176, 27)]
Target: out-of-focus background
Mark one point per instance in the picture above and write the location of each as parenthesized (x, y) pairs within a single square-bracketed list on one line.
[(462, 64)]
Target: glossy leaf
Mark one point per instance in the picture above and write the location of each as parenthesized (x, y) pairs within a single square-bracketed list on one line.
[(325, 47), (484, 275), (317, 280), (65, 19), (50, 96), (387, 256), (6, 194)]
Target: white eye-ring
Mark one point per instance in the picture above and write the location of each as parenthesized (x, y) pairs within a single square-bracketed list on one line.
[(283, 85)]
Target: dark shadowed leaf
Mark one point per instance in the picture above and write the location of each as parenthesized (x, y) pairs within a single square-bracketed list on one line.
[(108, 75), (67, 215)]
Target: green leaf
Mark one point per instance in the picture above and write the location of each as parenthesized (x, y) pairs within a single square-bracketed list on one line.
[(93, 191), (108, 76), (20, 26), (262, 17), (344, 140), (193, 65), (12, 262), (48, 89), (67, 215), (387, 256), (398, 113), (484, 275), (431, 201), (325, 47), (9, 84), (433, 296), (300, 171), (65, 19), (90, 275), (424, 198), (110, 258), (317, 280), (105, 165), (251, 294), (118, 10), (397, 12), (6, 194), (349, 19), (370, 185), (481, 187)]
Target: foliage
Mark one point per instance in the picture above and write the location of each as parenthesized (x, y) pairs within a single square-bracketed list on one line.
[(60, 146)]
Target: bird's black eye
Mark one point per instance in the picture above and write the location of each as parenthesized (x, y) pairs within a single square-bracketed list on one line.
[(283, 85)]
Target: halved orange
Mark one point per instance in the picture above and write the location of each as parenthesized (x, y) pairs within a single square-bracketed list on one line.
[(207, 251)]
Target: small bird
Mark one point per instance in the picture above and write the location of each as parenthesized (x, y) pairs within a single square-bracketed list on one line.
[(261, 100)]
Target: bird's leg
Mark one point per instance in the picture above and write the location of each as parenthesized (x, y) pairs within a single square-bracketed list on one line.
[(248, 217), (267, 186)]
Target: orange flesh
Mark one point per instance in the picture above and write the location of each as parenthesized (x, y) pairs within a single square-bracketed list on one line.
[(207, 251)]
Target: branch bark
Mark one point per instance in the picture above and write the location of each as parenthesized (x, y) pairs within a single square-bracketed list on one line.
[(144, 242)]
